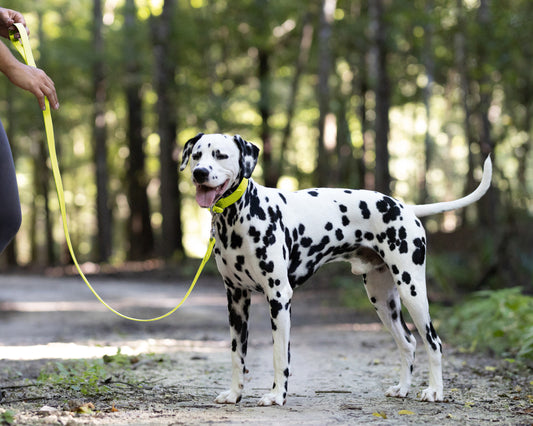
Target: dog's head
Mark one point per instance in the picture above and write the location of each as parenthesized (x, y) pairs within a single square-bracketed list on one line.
[(218, 164)]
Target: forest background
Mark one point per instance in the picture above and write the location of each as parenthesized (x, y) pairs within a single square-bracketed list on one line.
[(405, 97)]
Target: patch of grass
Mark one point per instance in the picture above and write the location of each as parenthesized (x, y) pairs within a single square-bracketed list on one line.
[(498, 321), (7, 417), (90, 377)]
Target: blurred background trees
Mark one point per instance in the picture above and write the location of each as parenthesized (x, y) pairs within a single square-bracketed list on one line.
[(406, 97)]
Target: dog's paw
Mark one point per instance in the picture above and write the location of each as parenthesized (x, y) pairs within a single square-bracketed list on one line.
[(397, 391), (432, 395), (272, 398), (228, 397)]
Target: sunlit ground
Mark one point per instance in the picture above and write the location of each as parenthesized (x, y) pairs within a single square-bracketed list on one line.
[(83, 351)]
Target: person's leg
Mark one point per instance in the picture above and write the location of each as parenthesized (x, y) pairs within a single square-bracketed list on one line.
[(10, 214)]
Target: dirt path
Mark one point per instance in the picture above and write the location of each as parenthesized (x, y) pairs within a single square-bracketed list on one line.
[(341, 364)]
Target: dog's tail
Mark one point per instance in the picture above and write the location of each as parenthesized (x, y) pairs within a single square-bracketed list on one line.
[(435, 208)]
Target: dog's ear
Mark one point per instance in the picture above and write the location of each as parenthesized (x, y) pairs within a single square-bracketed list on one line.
[(249, 155), (189, 145)]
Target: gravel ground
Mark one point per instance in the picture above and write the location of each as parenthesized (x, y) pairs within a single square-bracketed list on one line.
[(342, 362)]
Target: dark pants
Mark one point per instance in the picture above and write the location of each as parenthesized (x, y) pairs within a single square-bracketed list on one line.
[(10, 214)]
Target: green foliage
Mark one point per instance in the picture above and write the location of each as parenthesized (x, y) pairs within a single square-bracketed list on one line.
[(353, 294), (7, 417), (88, 377), (214, 55), (499, 321)]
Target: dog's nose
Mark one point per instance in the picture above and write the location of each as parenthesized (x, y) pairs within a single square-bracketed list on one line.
[(200, 175)]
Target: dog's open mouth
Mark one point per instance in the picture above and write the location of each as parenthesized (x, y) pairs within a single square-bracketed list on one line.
[(207, 196)]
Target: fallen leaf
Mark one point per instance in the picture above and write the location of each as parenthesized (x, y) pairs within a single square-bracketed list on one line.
[(113, 409), (405, 413), (469, 404), (85, 408), (490, 368), (382, 415)]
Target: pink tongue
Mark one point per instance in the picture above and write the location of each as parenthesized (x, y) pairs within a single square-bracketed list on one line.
[(205, 197)]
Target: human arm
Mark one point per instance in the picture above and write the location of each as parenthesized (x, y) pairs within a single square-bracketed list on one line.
[(28, 78)]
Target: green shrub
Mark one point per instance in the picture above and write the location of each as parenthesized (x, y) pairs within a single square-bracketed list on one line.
[(500, 321)]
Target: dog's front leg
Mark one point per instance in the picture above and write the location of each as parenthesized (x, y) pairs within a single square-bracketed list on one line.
[(238, 307), (280, 316)]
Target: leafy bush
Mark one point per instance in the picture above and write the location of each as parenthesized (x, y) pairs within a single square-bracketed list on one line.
[(500, 321)]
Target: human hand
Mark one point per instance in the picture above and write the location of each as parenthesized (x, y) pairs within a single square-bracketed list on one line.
[(8, 18), (35, 81)]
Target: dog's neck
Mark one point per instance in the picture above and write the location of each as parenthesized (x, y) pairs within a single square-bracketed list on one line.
[(232, 198)]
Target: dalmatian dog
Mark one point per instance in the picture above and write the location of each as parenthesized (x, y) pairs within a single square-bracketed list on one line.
[(272, 241)]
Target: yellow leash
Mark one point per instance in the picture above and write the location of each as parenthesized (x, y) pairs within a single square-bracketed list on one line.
[(23, 46)]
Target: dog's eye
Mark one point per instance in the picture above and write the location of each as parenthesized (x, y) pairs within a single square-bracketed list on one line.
[(196, 156), (220, 156)]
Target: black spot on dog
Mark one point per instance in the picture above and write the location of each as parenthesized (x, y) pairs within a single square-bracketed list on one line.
[(313, 193), (405, 328), (275, 307), (239, 263), (267, 267), (320, 246), (339, 234), (431, 336), (329, 226), (306, 242), (345, 221), (236, 240), (255, 234), (255, 207), (363, 206), (343, 208), (406, 278), (369, 236), (419, 255), (389, 208)]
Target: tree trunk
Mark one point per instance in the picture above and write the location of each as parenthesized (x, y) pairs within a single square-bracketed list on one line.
[(139, 227), (428, 92), (488, 205), (324, 68), (103, 211), (461, 63), (381, 86), (265, 112), (303, 56), (171, 231)]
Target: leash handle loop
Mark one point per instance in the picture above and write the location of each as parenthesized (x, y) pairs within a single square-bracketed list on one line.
[(24, 48)]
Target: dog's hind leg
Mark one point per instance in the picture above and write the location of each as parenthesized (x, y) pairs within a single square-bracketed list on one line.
[(383, 294), (415, 300), (238, 307)]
